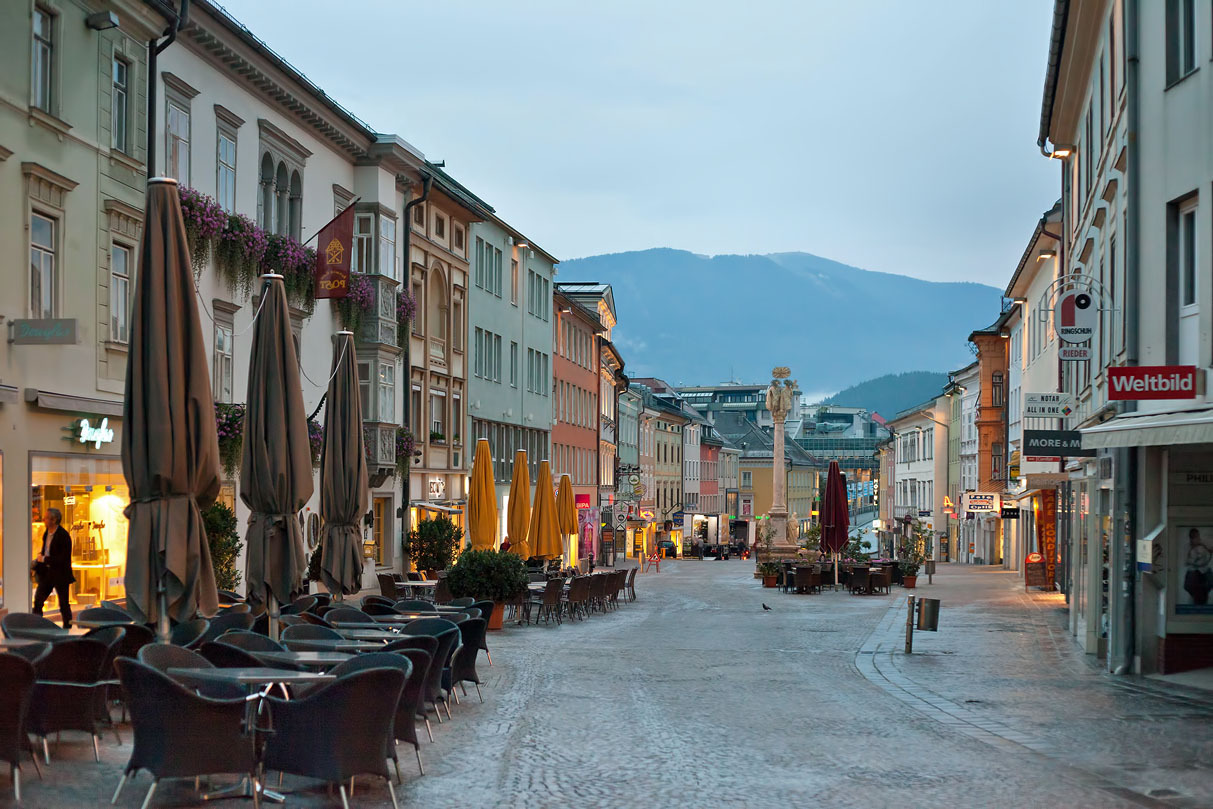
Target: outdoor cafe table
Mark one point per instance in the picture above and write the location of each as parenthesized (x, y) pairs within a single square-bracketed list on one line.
[(333, 645), (16, 643), (98, 623), (250, 675), (52, 635), (381, 635), (312, 660)]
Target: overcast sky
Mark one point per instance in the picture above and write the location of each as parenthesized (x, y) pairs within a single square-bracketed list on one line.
[(896, 136)]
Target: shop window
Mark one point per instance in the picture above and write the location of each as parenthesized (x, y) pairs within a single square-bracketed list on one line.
[(381, 531), (91, 494)]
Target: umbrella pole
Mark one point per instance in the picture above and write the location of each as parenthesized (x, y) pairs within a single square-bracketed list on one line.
[(271, 608), (836, 560), (162, 628)]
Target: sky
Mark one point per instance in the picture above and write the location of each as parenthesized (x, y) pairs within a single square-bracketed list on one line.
[(895, 135)]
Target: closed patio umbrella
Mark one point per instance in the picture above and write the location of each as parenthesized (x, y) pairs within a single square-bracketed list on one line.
[(566, 519), (835, 516), (170, 451), (344, 483), (518, 519), (482, 500), (276, 471), (545, 532)]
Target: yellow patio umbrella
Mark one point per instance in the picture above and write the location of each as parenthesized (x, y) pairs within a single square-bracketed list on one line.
[(545, 532), (482, 500), (518, 520), (566, 517)]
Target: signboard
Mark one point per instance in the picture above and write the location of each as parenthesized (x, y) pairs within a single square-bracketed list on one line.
[(582, 501), (1193, 573), (925, 512), (98, 435), (437, 488), (1049, 405), (1034, 573), (678, 516), (1152, 382), (1046, 528), (1009, 512), (1145, 555), (621, 520), (980, 501), (1076, 314), (334, 249), (49, 331), (1073, 353), (1063, 443)]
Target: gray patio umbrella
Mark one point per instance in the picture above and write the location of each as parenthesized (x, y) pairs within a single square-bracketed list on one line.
[(170, 452), (276, 470), (344, 483)]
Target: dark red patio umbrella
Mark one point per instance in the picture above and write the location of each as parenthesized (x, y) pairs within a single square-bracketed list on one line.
[(835, 515)]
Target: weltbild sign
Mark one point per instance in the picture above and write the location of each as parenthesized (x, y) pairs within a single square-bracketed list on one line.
[(1152, 382)]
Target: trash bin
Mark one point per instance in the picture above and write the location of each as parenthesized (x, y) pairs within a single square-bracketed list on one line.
[(930, 567), (608, 555), (928, 614)]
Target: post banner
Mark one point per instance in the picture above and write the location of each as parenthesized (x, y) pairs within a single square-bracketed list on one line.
[(334, 249), (1046, 527)]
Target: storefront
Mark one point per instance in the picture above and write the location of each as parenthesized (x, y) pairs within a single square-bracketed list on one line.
[(62, 452)]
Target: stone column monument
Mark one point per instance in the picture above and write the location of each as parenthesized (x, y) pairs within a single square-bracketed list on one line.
[(779, 401)]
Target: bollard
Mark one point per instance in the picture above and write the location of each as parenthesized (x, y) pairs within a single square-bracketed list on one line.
[(909, 624), (928, 614), (930, 570)]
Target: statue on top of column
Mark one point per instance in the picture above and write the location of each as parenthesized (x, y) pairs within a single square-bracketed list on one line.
[(780, 397)]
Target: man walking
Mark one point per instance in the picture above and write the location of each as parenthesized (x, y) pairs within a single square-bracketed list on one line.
[(53, 568)]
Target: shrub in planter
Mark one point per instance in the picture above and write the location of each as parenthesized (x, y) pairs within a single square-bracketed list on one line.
[(769, 572), (224, 542), (431, 545), (497, 576)]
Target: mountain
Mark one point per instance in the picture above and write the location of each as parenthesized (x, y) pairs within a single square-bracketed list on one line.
[(888, 395), (694, 319)]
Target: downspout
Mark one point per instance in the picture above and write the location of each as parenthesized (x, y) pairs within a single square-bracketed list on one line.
[(1126, 457), (426, 181), (154, 47)]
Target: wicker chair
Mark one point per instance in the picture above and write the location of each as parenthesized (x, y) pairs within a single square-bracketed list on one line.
[(16, 688), (69, 681)]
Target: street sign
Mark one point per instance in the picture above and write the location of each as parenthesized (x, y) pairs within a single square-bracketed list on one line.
[(1053, 405), (1152, 382), (621, 520), (1073, 353), (1063, 443), (1076, 314)]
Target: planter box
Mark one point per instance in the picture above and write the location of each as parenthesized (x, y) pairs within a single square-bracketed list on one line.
[(909, 582)]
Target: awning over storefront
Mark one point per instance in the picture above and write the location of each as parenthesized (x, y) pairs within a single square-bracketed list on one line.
[(438, 507), (1151, 429)]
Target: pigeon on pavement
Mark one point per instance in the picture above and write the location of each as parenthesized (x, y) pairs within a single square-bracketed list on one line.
[(765, 607)]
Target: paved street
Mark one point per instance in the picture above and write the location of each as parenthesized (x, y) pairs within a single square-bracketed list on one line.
[(694, 696)]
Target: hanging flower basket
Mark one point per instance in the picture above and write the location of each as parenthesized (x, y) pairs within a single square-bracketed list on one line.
[(359, 303), (315, 439), (229, 424), (405, 446), (406, 310), (239, 253), (204, 223)]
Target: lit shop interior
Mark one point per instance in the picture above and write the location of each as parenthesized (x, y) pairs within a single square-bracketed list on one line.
[(91, 493)]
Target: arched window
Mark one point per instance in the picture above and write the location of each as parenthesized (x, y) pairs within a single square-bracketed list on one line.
[(282, 201), (265, 204), (295, 213), (436, 312)]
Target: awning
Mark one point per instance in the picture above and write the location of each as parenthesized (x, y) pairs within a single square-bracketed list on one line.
[(1151, 429), (437, 507)]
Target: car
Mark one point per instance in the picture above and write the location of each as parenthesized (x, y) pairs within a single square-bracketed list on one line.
[(667, 548)]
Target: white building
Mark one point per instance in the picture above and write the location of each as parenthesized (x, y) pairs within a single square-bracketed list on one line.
[(921, 464), (966, 384)]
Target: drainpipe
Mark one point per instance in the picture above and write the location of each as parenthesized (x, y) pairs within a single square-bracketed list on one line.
[(1121, 660), (426, 181), (154, 47)]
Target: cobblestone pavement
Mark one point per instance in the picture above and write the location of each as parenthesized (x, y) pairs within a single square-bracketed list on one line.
[(694, 696)]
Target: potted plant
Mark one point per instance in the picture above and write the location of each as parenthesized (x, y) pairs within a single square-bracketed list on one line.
[(910, 555), (494, 576), (313, 569), (769, 571), (431, 545), (437, 437)]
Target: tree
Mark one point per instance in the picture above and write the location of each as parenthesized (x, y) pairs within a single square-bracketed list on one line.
[(432, 543), (225, 544)]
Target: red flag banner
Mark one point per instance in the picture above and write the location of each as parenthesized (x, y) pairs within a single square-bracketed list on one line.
[(334, 249)]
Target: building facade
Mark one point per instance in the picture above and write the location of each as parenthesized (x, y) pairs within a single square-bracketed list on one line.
[(509, 323), (921, 466), (991, 423), (575, 437)]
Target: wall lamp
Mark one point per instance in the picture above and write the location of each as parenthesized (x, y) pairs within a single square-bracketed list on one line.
[(102, 21), (1045, 255), (1020, 301), (522, 245)]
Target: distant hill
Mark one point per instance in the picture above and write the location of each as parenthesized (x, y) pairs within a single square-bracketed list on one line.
[(888, 395), (694, 319)]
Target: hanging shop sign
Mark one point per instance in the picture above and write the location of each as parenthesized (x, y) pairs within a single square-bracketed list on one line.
[(980, 501), (1050, 405), (333, 254), (1152, 382), (49, 331), (437, 488), (1046, 526), (1009, 513), (1073, 353), (1076, 314), (1055, 443), (582, 501)]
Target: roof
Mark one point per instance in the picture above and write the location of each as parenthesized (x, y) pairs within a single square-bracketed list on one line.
[(929, 404), (756, 442), (591, 289), (584, 312), (994, 328), (1057, 38)]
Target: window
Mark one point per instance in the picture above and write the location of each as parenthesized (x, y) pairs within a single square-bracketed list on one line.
[(420, 308), (1187, 255), (439, 226), (480, 269), (996, 389), (1181, 39), (177, 133), (497, 255), (996, 461), (223, 362), (387, 247), (514, 281), (364, 390), (415, 414), (456, 418), (497, 358), (120, 275), (478, 353), (1189, 286), (513, 364), (438, 415), (457, 238), (118, 96), (364, 227), (225, 182), (44, 298), (747, 479), (42, 75), (457, 326), (387, 391), (419, 215)]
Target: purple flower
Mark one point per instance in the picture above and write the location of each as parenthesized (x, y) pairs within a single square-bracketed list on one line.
[(406, 306), (362, 292)]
